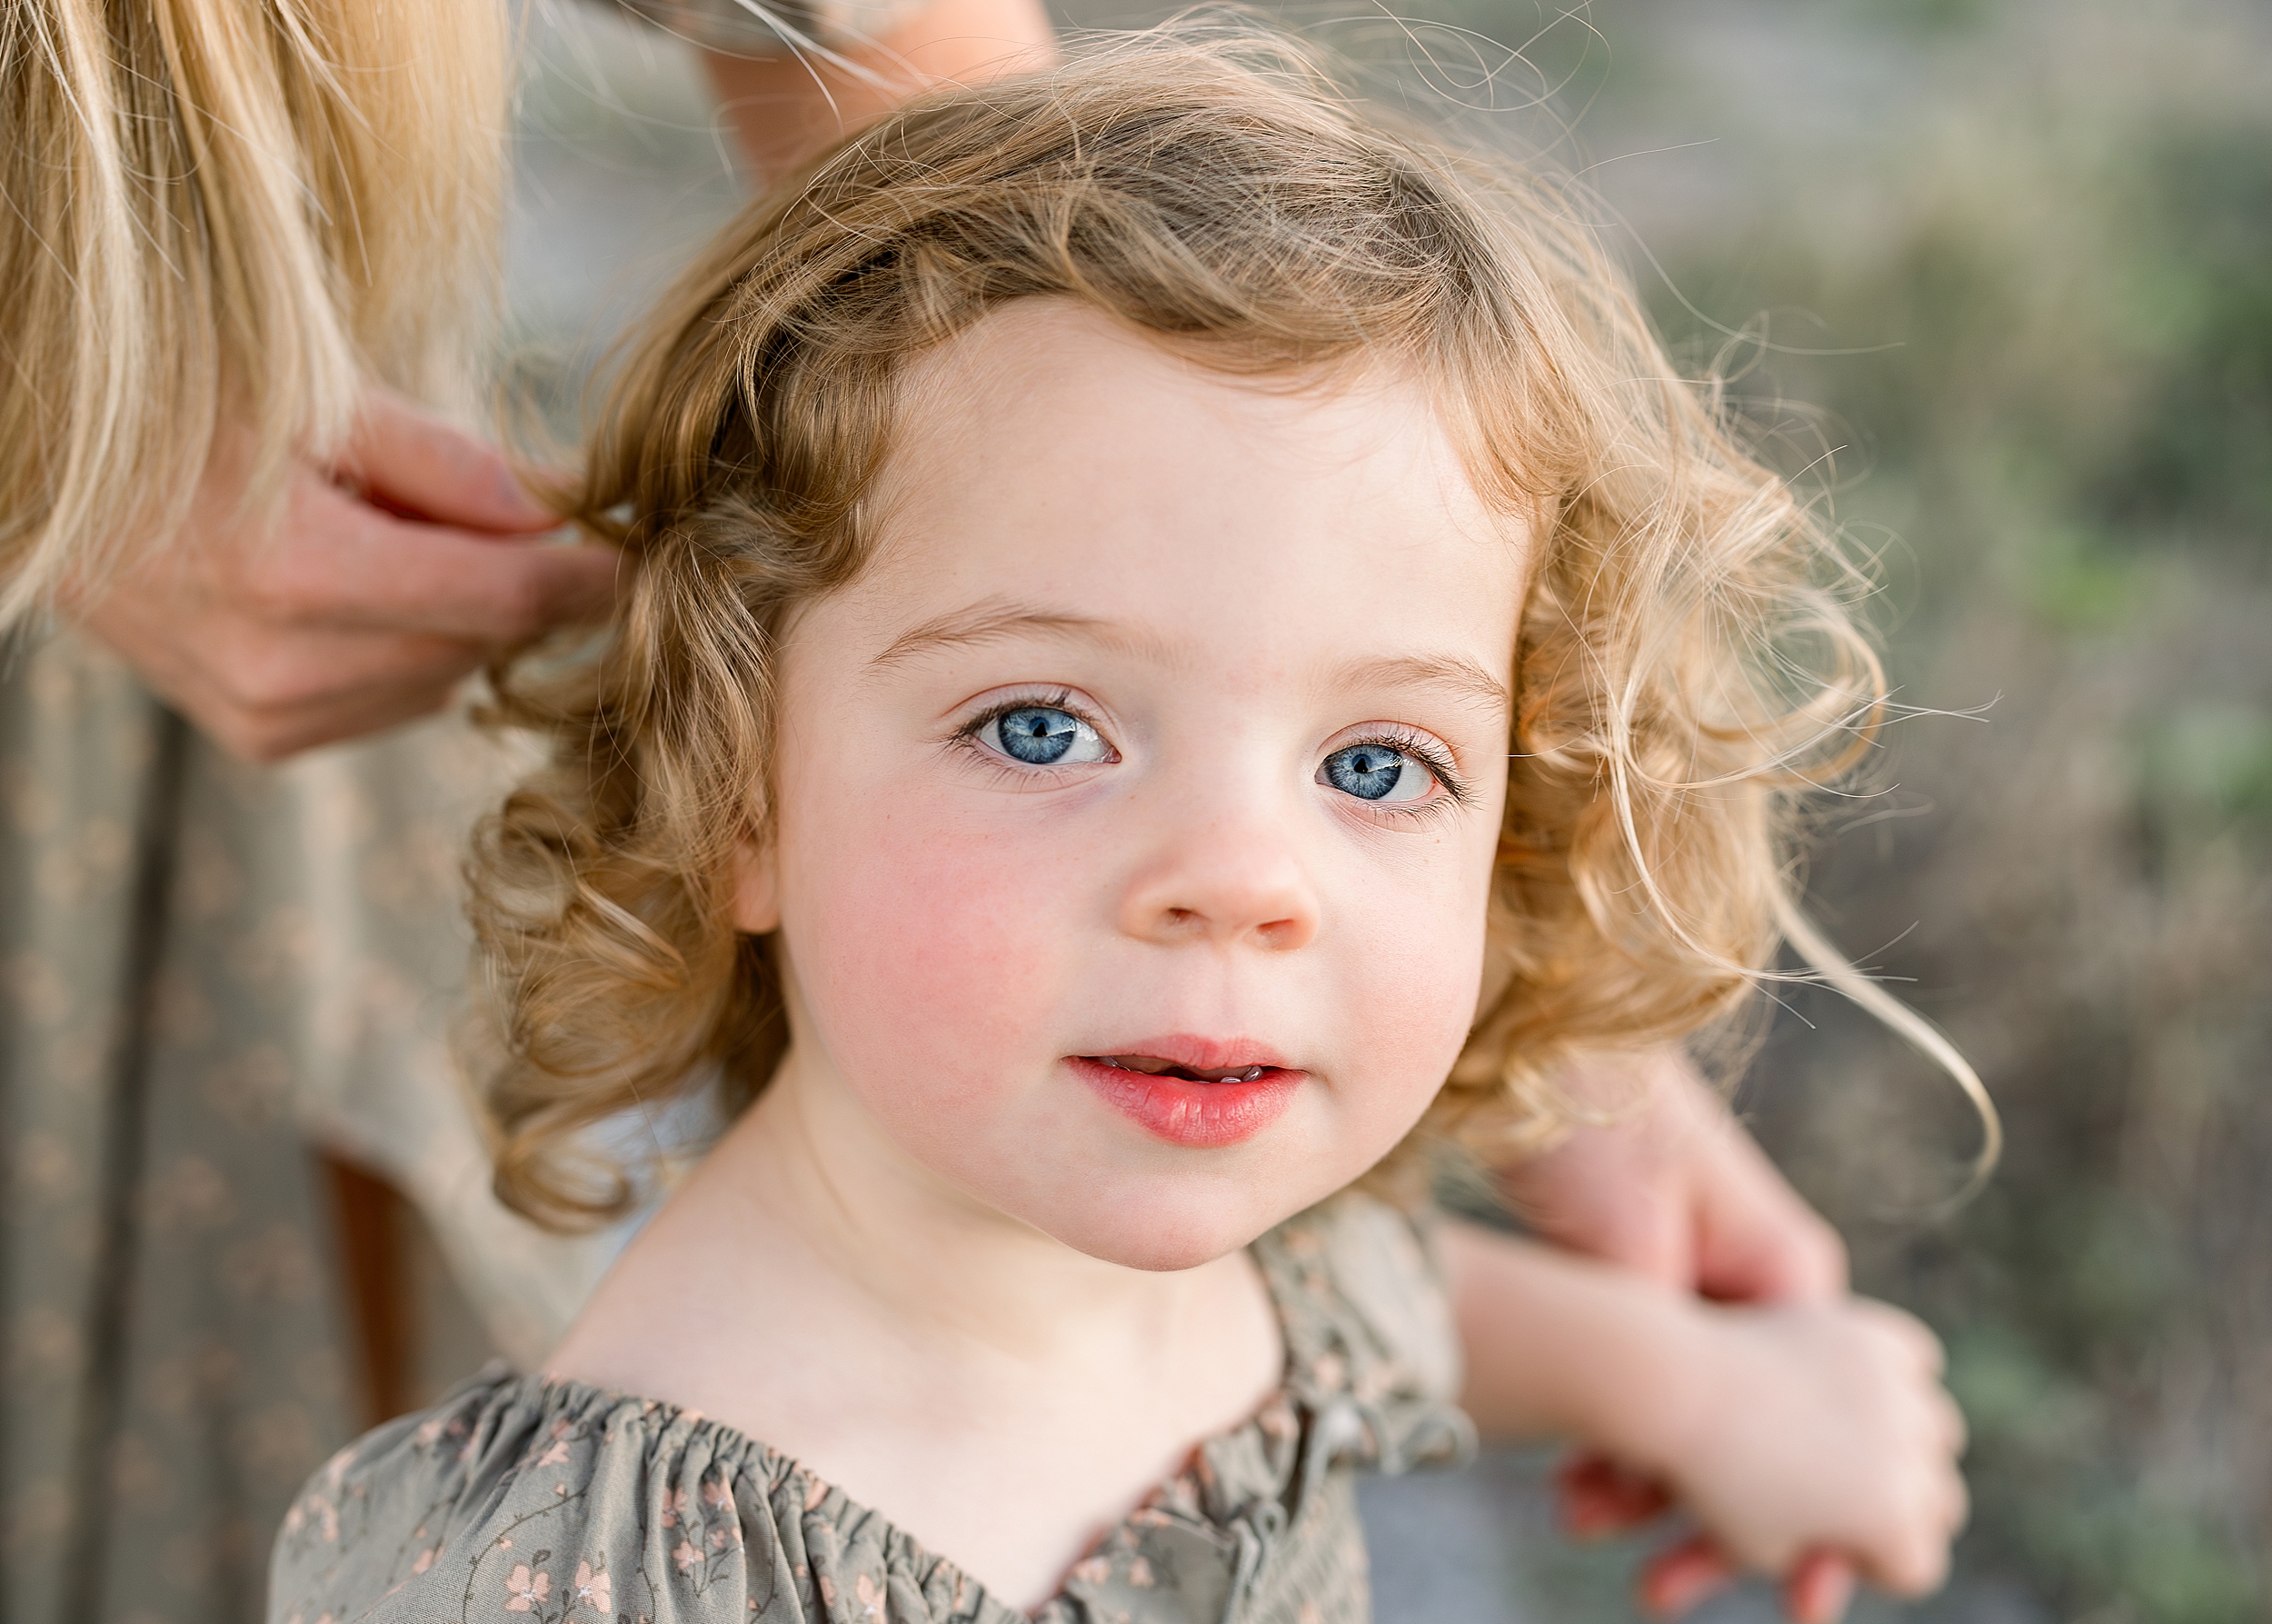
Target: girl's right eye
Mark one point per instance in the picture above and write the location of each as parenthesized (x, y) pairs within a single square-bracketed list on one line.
[(1043, 736)]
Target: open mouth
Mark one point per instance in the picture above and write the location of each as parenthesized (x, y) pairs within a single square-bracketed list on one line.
[(1153, 1066)]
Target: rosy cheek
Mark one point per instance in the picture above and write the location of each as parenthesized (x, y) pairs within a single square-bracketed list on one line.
[(933, 957)]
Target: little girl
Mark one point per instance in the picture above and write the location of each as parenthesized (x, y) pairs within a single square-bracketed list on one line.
[(1098, 537)]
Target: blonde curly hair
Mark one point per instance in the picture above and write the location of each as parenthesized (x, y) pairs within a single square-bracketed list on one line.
[(1689, 662)]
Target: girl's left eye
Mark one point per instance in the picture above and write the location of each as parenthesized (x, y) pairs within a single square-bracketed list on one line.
[(1377, 773), (1043, 736)]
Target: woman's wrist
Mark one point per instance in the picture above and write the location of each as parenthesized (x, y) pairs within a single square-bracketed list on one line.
[(1647, 1404), (1559, 1346)]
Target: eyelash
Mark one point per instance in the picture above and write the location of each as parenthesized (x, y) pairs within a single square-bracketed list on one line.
[(1429, 754), (965, 737)]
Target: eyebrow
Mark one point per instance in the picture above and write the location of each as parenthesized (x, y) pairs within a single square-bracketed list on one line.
[(1462, 679), (995, 620)]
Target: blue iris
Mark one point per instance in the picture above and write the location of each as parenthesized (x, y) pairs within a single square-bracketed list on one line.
[(1037, 735), (1368, 772)]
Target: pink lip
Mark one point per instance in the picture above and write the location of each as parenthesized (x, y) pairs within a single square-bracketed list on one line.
[(1203, 1054), (1185, 1112)]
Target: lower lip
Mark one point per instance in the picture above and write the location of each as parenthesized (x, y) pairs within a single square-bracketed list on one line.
[(1185, 1112)]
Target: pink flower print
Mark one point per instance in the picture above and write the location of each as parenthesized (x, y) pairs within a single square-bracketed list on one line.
[(1140, 1574), (815, 1492), (715, 1494), (555, 1456), (527, 1592), (1093, 1571), (428, 1431), (293, 1520), (673, 1503), (425, 1559), (717, 1538), (870, 1593), (592, 1588), (684, 1555)]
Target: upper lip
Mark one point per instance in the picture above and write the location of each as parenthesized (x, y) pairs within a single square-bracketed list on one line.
[(1198, 1053)]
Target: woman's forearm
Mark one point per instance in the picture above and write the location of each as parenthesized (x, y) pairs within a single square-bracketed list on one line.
[(1557, 1346), (785, 109)]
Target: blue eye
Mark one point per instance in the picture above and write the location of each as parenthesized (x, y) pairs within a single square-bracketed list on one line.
[(1044, 736), (1377, 772)]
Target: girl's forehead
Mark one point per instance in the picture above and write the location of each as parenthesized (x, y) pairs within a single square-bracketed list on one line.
[(1053, 454)]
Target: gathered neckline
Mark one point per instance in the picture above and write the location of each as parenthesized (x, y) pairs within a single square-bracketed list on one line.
[(589, 1396), (478, 1503)]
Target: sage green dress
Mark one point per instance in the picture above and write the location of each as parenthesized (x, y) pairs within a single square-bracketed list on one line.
[(525, 1497)]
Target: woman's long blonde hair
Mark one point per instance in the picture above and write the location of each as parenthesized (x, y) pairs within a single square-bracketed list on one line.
[(1690, 665), (224, 216)]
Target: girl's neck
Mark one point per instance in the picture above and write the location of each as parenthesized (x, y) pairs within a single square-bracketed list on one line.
[(994, 1393), (809, 1167)]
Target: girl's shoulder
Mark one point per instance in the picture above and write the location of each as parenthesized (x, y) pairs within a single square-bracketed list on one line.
[(1366, 1318), (556, 1503), (526, 1498)]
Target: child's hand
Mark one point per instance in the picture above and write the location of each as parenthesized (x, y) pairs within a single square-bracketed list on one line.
[(1803, 1431)]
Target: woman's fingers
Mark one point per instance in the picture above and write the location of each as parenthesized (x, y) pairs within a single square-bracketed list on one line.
[(1600, 1497), (342, 562), (1912, 1334), (1679, 1578), (421, 467), (1819, 1589), (346, 615)]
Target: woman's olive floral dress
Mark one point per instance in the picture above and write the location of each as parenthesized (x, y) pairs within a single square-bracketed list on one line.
[(520, 1499)]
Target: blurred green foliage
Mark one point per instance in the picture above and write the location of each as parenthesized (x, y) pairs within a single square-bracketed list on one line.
[(2049, 229)]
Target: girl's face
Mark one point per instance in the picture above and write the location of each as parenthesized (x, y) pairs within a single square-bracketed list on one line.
[(1137, 805)]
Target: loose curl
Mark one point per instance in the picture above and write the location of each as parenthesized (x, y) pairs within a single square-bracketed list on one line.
[(1690, 663)]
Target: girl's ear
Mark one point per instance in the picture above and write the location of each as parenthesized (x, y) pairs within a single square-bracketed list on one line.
[(756, 893)]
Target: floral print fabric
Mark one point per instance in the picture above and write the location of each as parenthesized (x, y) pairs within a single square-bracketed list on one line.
[(520, 1498), (206, 967)]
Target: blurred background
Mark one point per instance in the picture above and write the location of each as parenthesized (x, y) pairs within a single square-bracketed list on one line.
[(1996, 277)]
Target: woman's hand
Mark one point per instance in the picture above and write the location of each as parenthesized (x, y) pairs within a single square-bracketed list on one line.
[(1808, 1429), (1675, 1191), (1680, 1193), (388, 578), (1808, 1438)]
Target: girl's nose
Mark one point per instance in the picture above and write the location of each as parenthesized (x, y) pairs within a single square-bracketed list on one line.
[(1227, 881)]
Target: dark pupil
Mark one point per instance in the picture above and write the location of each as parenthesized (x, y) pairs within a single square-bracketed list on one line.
[(1037, 735), (1365, 770)]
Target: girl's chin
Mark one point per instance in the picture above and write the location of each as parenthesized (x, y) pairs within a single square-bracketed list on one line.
[(1162, 1224)]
